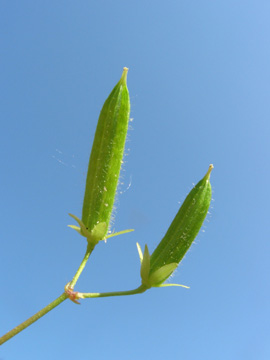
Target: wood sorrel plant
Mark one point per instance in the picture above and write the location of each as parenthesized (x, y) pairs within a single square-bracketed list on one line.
[(101, 184)]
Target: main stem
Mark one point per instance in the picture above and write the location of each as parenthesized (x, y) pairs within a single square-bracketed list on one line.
[(33, 318)]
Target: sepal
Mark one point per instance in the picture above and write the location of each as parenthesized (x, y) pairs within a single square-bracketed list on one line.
[(98, 233), (145, 266), (165, 285), (160, 275), (157, 278), (94, 236), (119, 233), (140, 252)]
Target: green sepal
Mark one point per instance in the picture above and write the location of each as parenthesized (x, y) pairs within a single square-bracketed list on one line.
[(82, 230), (98, 233), (140, 252), (77, 228), (145, 266), (157, 278), (119, 233), (160, 275), (165, 285)]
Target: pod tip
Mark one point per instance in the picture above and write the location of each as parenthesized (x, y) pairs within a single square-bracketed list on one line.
[(124, 74), (207, 175)]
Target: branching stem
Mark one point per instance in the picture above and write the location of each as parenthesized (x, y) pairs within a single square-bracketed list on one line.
[(58, 301)]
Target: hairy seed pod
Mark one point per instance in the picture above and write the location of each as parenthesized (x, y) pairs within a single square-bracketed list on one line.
[(106, 158), (184, 227)]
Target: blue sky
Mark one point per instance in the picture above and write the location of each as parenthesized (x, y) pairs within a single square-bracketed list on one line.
[(199, 83)]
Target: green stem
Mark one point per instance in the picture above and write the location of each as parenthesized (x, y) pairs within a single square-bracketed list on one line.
[(139, 290), (89, 250), (33, 318)]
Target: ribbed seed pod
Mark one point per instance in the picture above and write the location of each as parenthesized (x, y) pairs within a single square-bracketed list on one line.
[(184, 227), (106, 158)]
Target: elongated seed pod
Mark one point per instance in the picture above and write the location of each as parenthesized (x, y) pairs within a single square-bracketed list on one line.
[(184, 227), (106, 157)]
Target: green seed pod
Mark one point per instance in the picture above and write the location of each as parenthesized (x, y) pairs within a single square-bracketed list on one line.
[(180, 234), (105, 163)]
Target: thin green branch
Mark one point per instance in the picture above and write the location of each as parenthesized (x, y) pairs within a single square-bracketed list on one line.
[(89, 250), (139, 290), (33, 318)]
